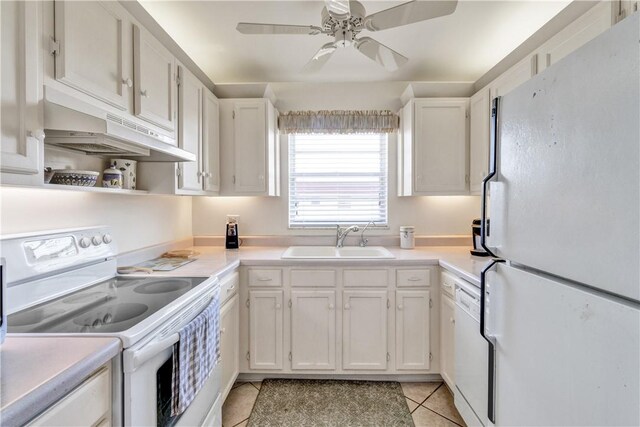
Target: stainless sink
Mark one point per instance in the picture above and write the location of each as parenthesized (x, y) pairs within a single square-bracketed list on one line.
[(330, 252)]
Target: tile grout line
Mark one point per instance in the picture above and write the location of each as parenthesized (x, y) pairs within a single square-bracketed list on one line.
[(414, 410), (431, 394), (438, 413), (246, 419)]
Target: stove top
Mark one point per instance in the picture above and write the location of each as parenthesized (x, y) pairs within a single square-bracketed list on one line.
[(111, 306)]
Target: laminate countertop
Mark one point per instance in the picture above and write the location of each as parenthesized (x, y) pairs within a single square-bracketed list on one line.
[(37, 371), (218, 261)]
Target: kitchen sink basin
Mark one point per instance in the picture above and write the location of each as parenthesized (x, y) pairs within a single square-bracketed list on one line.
[(330, 252)]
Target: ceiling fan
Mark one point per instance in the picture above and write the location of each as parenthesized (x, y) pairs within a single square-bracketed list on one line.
[(345, 19)]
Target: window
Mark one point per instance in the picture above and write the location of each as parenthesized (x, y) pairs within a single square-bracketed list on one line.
[(337, 179)]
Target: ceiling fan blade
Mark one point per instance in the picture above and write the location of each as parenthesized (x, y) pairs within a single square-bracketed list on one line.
[(339, 9), (383, 55), (253, 28), (408, 13), (320, 58)]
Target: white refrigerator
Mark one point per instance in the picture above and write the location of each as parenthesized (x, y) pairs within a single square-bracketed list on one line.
[(562, 311)]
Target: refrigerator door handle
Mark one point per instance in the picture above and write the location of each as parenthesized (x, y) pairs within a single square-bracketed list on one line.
[(491, 410), (493, 155)]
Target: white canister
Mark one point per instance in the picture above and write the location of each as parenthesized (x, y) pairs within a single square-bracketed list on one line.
[(128, 169), (407, 238)]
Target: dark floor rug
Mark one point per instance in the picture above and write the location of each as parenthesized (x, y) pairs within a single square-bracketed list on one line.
[(298, 403)]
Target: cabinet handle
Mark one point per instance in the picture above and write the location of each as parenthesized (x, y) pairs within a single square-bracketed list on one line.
[(331, 306), (347, 306), (200, 173), (127, 82), (414, 279), (278, 306), (400, 306), (144, 93), (222, 330), (264, 279), (229, 289)]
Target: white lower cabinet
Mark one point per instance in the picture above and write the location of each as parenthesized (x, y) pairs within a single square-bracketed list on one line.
[(265, 329), (313, 329), (229, 340), (447, 339), (364, 330), (413, 348), (89, 404)]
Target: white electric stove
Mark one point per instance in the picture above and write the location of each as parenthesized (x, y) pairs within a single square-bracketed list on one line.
[(65, 283)]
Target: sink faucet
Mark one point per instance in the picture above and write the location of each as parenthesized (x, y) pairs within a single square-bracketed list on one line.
[(341, 234), (363, 241)]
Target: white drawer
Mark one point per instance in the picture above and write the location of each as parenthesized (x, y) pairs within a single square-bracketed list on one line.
[(366, 278), (448, 284), (265, 276), (89, 404), (229, 286), (314, 278), (413, 278)]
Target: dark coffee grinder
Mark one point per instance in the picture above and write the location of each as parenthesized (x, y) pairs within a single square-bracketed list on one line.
[(476, 229), (232, 241)]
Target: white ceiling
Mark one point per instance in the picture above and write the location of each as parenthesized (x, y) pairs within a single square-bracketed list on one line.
[(459, 47)]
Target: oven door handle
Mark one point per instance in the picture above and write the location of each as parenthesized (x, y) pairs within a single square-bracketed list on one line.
[(132, 360)]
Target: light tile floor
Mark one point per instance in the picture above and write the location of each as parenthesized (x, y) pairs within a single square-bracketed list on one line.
[(431, 404)]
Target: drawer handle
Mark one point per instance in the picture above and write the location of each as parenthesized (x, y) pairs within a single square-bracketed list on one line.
[(414, 279), (232, 287), (264, 279), (465, 303), (446, 285)]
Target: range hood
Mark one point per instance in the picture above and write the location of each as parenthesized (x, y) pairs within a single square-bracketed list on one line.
[(76, 125)]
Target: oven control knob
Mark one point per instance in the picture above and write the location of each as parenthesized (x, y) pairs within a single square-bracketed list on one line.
[(97, 323), (85, 242), (107, 238), (107, 318), (96, 240)]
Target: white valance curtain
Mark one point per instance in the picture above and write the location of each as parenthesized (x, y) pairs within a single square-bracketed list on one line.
[(338, 122)]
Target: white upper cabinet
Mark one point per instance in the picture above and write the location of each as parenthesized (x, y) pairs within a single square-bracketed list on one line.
[(435, 146), (190, 98), (211, 143), (20, 113), (313, 330), (94, 50), (250, 144), (514, 77), (364, 330), (154, 80), (594, 22), (479, 129)]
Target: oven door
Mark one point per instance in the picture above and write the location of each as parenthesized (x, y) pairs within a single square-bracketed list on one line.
[(147, 381)]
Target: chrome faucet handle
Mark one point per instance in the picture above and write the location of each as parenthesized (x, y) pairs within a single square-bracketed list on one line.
[(363, 241)]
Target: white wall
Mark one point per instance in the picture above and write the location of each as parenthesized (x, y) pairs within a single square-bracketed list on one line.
[(137, 221), (261, 216)]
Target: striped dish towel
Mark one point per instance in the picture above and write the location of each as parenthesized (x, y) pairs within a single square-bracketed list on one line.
[(195, 356)]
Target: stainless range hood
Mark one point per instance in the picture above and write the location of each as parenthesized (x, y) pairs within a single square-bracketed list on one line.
[(76, 125)]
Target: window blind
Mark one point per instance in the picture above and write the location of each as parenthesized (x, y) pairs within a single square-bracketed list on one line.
[(337, 179)]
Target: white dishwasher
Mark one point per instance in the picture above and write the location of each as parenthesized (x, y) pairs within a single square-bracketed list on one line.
[(471, 357)]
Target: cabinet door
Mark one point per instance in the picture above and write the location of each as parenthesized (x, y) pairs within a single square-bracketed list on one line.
[(94, 53), (265, 330), (20, 117), (211, 142), (313, 330), (412, 330), (250, 138), (229, 342), (479, 117), (154, 80), (514, 76), (190, 128), (440, 146), (447, 340), (364, 330)]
